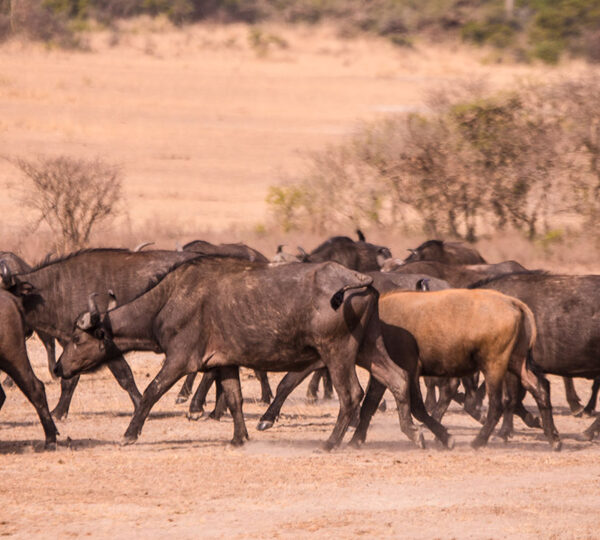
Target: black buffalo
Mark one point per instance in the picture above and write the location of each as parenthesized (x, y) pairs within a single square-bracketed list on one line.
[(445, 252), (62, 288), (225, 313), (196, 410), (15, 362), (566, 314), (16, 265)]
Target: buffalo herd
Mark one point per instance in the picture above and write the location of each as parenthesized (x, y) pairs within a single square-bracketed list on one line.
[(443, 314)]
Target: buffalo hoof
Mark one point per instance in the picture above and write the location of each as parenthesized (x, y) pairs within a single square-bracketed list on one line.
[(420, 441), (311, 400), (325, 448), (477, 443), (451, 442), (59, 415), (263, 425), (237, 442), (327, 396), (50, 446), (586, 436), (382, 406), (181, 399), (556, 445), (589, 412), (127, 440), (194, 416), (355, 443), (577, 412), (505, 434)]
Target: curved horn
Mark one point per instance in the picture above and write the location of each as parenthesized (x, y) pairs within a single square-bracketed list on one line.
[(112, 303), (48, 257), (6, 275), (178, 247), (92, 306), (280, 248), (361, 236), (413, 251), (142, 246), (423, 284)]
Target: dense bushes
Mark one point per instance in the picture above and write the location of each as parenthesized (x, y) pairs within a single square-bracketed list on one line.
[(528, 159)]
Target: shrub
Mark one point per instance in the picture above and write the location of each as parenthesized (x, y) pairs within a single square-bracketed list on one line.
[(71, 195)]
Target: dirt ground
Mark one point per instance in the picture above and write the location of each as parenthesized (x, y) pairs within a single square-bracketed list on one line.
[(183, 479)]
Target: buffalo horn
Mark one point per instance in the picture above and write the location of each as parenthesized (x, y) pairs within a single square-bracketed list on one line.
[(6, 277), (112, 303), (142, 246), (92, 306)]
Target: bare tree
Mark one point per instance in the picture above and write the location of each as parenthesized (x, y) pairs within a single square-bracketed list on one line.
[(71, 195)]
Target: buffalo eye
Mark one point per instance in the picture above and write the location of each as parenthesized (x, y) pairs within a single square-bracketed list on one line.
[(99, 333), (76, 339)]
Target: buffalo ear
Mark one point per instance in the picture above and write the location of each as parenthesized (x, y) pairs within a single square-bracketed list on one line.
[(87, 320), (23, 288)]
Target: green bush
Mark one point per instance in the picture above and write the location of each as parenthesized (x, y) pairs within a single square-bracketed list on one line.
[(548, 51)]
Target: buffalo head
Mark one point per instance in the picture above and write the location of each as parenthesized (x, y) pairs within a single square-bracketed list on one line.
[(90, 343)]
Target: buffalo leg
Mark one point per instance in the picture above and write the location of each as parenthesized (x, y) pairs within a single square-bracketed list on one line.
[(512, 398), (340, 360), (169, 374), (186, 390), (430, 399), (49, 345), (266, 395), (221, 403), (67, 387), (199, 399), (122, 372), (398, 375), (591, 405), (327, 385), (118, 367), (285, 387), (313, 385), (373, 396), (472, 405), (493, 384), (447, 391), (572, 397), (515, 393), (24, 377), (232, 389), (539, 387)]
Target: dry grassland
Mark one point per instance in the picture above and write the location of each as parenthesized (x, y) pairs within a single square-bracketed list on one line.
[(200, 121), (202, 125)]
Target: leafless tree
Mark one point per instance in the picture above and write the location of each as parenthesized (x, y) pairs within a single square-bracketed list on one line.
[(71, 195)]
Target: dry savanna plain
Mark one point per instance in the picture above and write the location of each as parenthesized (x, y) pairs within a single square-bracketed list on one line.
[(202, 123)]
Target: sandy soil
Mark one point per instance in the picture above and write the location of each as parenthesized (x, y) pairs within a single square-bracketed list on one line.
[(183, 479)]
